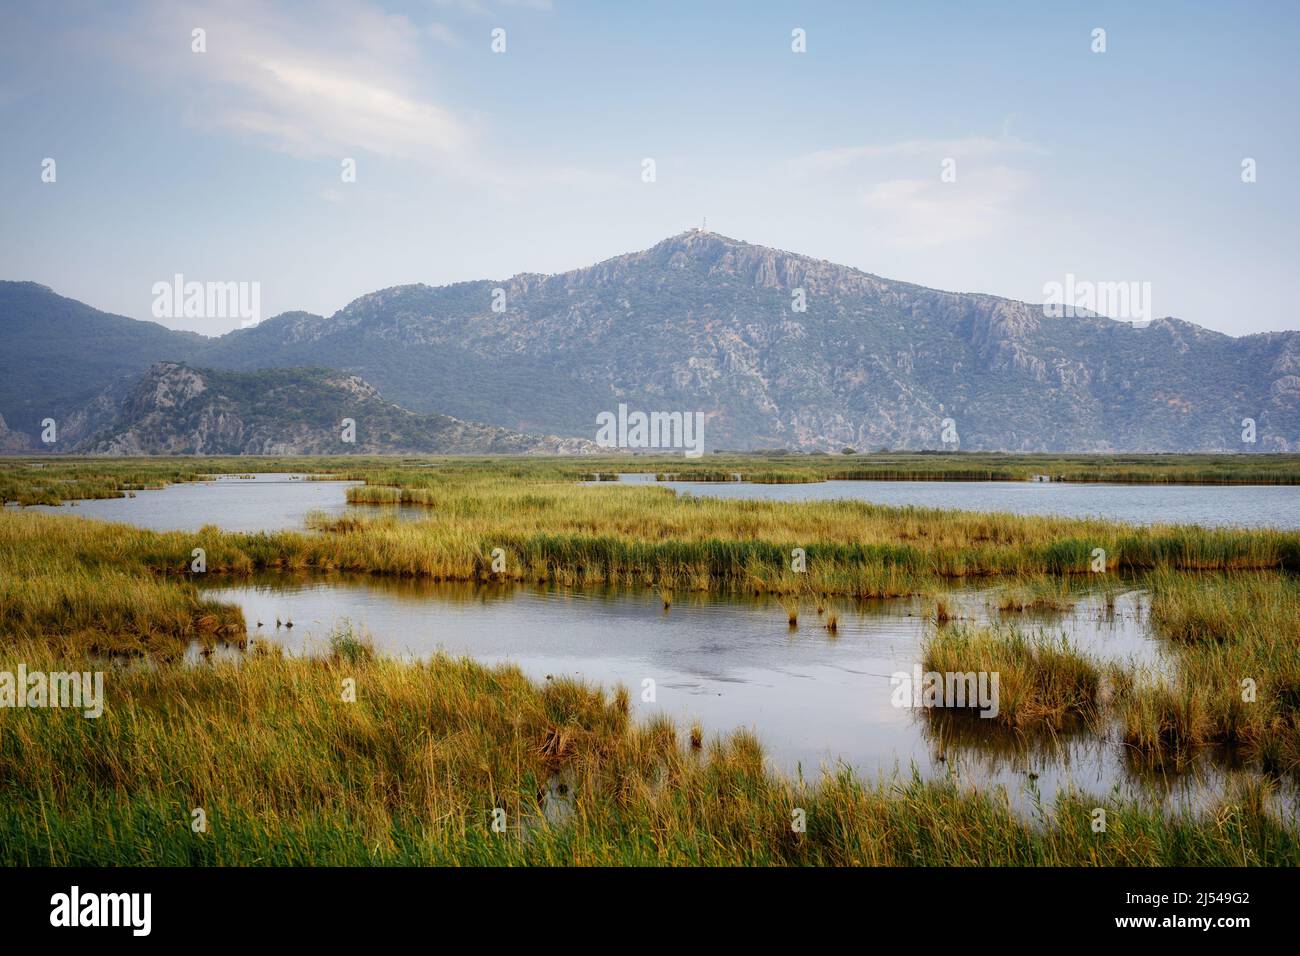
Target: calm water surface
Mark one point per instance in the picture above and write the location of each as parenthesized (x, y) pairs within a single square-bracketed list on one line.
[(814, 700), (275, 502), (1249, 506), (263, 502)]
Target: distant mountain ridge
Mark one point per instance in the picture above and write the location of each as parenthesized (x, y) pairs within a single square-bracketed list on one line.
[(57, 354), (702, 322), (174, 409)]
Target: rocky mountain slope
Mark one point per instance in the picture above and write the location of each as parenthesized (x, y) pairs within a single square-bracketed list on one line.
[(175, 409), (57, 354), (701, 322)]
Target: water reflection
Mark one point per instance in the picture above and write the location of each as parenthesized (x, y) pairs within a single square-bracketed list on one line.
[(815, 700)]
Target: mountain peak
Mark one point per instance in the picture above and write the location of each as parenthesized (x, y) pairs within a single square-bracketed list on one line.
[(698, 238), (776, 349)]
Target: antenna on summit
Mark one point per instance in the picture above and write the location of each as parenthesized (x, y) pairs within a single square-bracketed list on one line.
[(705, 226)]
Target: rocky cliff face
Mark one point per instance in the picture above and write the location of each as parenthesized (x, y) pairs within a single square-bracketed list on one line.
[(174, 409), (704, 323), (701, 322), (12, 442)]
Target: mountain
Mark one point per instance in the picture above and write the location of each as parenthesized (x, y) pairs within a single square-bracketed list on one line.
[(701, 322), (12, 442), (57, 354), (175, 409)]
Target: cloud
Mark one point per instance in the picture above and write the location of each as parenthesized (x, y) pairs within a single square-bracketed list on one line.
[(331, 79), (929, 212), (443, 33), (900, 185), (825, 160), (313, 106)]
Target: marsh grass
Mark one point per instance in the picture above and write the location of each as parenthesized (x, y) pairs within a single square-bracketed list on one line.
[(558, 530), (590, 534), (978, 466), (1038, 594), (945, 609), (112, 612), (52, 479), (349, 645), (790, 602), (410, 773), (1235, 644), (113, 589), (412, 770), (1043, 682), (49, 480)]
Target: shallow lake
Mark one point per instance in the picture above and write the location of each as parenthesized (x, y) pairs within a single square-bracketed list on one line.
[(276, 502), (813, 699), (1249, 506), (260, 502)]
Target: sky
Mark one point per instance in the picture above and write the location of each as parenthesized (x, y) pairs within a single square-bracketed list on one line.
[(230, 164)]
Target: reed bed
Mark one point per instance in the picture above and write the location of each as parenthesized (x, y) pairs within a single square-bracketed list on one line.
[(111, 612), (1042, 683), (648, 537), (851, 548), (579, 535), (945, 609), (49, 479), (1236, 677), (411, 771), (287, 772), (1041, 593)]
